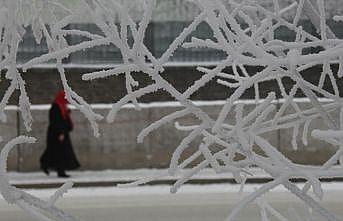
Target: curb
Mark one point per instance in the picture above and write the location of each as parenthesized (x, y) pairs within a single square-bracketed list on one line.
[(79, 184)]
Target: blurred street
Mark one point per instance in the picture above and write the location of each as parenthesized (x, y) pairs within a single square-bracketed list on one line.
[(155, 203)]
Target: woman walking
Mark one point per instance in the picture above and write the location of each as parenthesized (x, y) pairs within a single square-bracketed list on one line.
[(59, 154)]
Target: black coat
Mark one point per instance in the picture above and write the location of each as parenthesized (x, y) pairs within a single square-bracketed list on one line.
[(59, 155)]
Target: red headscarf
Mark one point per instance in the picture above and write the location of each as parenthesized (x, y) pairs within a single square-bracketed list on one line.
[(62, 102)]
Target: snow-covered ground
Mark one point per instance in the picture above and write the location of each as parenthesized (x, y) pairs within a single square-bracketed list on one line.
[(155, 203)]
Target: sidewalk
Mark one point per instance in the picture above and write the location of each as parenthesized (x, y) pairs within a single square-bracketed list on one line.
[(113, 177)]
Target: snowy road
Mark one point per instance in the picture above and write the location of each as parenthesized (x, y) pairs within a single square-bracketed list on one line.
[(200, 203)]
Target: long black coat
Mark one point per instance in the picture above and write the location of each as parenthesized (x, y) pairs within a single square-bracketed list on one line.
[(59, 155)]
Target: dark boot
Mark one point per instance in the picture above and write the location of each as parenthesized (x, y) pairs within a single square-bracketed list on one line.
[(46, 171), (62, 174)]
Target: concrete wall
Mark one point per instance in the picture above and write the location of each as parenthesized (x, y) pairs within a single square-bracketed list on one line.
[(117, 147), (43, 83)]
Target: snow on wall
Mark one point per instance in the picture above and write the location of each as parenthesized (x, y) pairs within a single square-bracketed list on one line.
[(254, 45)]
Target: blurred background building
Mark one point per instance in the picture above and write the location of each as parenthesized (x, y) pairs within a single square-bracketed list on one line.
[(117, 146), (170, 18)]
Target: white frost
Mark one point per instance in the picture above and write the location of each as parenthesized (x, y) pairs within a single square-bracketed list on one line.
[(255, 45)]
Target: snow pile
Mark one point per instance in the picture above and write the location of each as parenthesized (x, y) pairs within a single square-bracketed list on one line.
[(253, 44)]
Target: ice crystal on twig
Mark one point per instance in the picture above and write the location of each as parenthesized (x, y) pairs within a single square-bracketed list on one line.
[(245, 32)]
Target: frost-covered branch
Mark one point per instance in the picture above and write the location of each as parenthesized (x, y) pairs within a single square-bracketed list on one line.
[(245, 31), (31, 204)]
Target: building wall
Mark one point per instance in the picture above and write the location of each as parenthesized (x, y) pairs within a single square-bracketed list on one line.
[(159, 35), (43, 83), (183, 10), (117, 147)]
